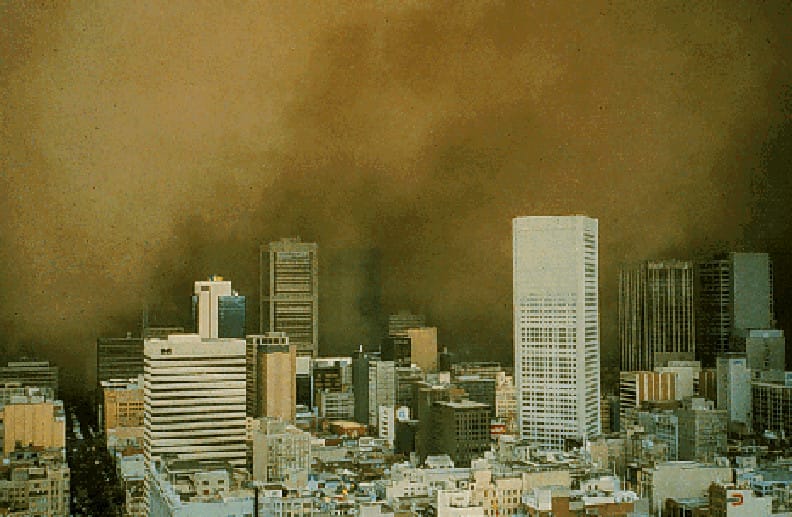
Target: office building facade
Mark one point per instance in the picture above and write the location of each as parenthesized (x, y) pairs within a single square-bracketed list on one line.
[(556, 328), (734, 293), (656, 316), (193, 405), (31, 374), (271, 366), (218, 310), (289, 292)]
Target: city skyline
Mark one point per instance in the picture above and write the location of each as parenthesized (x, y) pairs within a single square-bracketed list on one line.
[(145, 148)]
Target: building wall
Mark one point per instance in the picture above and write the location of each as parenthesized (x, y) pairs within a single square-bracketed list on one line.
[(289, 292), (655, 312), (461, 430), (423, 342), (37, 491), (271, 376), (556, 327), (39, 424), (772, 408), (123, 408), (281, 453), (194, 402), (682, 480), (734, 391), (206, 298)]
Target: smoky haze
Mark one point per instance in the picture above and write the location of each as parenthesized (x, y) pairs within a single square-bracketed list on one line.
[(146, 145)]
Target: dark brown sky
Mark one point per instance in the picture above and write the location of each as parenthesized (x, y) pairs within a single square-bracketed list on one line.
[(145, 145)]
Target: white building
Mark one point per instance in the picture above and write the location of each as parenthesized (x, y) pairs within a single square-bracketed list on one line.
[(382, 388), (194, 403), (281, 453), (207, 294), (734, 390), (556, 327)]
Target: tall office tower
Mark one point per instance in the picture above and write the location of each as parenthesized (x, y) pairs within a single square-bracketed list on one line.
[(289, 289), (360, 385), (193, 405), (36, 374), (556, 328), (734, 391), (119, 358), (271, 376), (218, 310), (656, 321), (401, 321), (734, 293), (382, 388), (423, 347), (116, 358)]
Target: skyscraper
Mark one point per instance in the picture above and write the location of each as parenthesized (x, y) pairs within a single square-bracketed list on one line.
[(218, 310), (734, 293), (556, 327), (193, 404), (656, 321), (289, 289), (271, 376)]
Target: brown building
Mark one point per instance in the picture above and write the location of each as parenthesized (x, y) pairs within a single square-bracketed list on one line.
[(33, 423), (271, 365), (423, 347), (123, 406), (638, 387)]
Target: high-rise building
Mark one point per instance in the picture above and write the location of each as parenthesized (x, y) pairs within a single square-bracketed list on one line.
[(119, 358), (289, 290), (734, 391), (556, 328), (35, 374), (423, 347), (271, 376), (772, 405), (194, 405), (656, 321), (734, 292), (382, 388), (218, 310), (360, 385), (401, 321)]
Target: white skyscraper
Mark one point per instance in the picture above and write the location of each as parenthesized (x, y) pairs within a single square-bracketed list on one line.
[(205, 304), (556, 327), (194, 404)]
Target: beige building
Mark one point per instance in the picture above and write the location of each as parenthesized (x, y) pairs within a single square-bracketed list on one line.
[(271, 364), (33, 422), (281, 453), (123, 405), (35, 483), (423, 347), (679, 479)]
